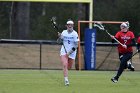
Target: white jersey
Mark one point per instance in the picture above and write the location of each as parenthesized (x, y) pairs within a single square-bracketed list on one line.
[(69, 40)]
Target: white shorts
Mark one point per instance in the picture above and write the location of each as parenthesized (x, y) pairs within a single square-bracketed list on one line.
[(72, 55)]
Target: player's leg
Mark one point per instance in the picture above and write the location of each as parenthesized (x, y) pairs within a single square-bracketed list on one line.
[(70, 63), (121, 69), (130, 66), (123, 58), (71, 59), (119, 72), (64, 60)]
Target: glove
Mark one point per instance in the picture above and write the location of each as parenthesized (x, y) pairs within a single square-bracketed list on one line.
[(138, 50), (59, 34), (138, 47), (71, 51), (59, 41)]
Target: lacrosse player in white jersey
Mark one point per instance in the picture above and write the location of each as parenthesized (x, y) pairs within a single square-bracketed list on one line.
[(69, 38)]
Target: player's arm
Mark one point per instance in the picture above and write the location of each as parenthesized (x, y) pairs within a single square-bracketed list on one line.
[(113, 40), (133, 43), (116, 37), (60, 39), (138, 47), (138, 43)]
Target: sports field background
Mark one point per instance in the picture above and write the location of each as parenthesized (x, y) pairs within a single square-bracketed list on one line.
[(28, 56), (51, 81)]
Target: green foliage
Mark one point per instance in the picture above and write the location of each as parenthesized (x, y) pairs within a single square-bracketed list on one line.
[(118, 10), (41, 26), (40, 14), (4, 19)]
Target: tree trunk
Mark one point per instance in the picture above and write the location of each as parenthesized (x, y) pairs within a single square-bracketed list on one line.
[(20, 24)]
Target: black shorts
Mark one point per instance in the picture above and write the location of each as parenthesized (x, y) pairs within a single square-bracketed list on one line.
[(125, 57)]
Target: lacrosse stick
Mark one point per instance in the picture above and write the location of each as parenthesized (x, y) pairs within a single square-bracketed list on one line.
[(53, 20), (101, 27), (54, 24), (133, 56), (135, 53)]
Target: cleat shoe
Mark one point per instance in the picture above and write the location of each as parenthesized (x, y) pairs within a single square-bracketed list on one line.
[(66, 83), (114, 80), (130, 66)]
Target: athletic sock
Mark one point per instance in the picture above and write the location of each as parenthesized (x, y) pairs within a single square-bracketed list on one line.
[(66, 78)]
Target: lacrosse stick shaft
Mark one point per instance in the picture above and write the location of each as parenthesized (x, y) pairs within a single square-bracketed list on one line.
[(53, 20), (101, 27), (135, 53), (114, 38)]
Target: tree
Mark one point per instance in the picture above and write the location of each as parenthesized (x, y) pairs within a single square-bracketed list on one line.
[(20, 20)]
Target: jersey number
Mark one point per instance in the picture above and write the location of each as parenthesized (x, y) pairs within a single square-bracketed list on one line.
[(68, 42), (125, 41)]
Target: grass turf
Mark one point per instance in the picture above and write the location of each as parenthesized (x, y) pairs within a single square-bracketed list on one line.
[(51, 81)]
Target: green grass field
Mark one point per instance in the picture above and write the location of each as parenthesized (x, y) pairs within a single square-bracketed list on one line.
[(51, 81)]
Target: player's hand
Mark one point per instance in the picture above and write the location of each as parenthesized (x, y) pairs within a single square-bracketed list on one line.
[(59, 40), (68, 54), (59, 34), (138, 47), (124, 46), (112, 37)]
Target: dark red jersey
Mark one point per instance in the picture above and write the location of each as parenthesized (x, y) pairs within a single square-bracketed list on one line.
[(125, 38), (138, 40)]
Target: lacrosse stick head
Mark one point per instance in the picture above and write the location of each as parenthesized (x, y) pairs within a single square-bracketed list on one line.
[(53, 20), (99, 25), (54, 24)]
